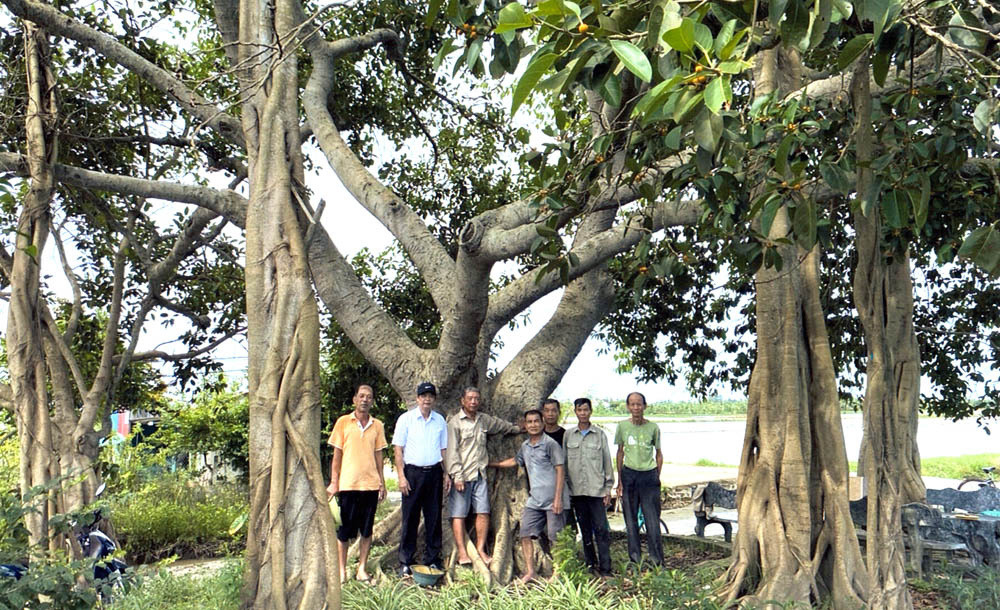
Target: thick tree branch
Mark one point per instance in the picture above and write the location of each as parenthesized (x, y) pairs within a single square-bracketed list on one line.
[(423, 248), (585, 301), (226, 203), (522, 292), (837, 86), (62, 25)]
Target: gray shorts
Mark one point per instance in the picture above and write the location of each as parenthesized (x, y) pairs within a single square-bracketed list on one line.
[(476, 496), (535, 521)]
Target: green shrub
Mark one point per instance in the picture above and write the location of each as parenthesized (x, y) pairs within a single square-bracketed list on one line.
[(165, 591), (173, 515)]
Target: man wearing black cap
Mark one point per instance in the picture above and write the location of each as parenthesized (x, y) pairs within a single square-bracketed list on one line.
[(420, 442)]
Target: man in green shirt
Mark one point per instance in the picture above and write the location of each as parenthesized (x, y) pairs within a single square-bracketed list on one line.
[(639, 462)]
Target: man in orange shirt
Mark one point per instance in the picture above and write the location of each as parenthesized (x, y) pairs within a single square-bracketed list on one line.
[(358, 441)]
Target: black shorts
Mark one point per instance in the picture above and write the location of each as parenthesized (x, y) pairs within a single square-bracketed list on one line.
[(357, 512)]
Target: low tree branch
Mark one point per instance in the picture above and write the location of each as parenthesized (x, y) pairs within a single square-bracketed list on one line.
[(168, 357)]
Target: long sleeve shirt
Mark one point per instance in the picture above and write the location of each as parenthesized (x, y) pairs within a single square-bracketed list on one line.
[(467, 456), (589, 469)]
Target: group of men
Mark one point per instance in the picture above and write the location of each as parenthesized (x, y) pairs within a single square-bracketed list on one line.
[(568, 471)]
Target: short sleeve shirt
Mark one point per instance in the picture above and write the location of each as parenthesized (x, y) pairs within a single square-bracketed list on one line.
[(358, 468), (422, 439), (640, 444), (540, 460)]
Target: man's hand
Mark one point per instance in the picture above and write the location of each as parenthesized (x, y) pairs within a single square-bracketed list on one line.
[(332, 489), (459, 485), (447, 484), (557, 506), (618, 490), (607, 500), (382, 493), (404, 485)]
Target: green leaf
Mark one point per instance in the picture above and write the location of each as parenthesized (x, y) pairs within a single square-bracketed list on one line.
[(775, 10), (31, 250), (686, 105), (725, 35), (842, 10), (982, 247), (774, 202), (891, 211), (921, 202), (472, 55), (852, 50), (633, 58), (715, 95), (681, 38), (819, 23), (654, 26), (730, 48), (781, 155), (708, 130), (795, 26), (982, 118), (512, 17), (835, 177), (673, 139), (655, 95), (876, 11), (975, 41), (532, 74), (880, 68), (703, 37), (432, 12), (734, 66), (611, 91), (804, 223)]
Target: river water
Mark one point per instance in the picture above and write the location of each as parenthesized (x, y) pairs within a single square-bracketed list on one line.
[(686, 442)]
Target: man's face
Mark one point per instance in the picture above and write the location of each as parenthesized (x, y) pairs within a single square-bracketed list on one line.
[(550, 414), (636, 405), (426, 400), (363, 400), (533, 424), (583, 412), (470, 403)]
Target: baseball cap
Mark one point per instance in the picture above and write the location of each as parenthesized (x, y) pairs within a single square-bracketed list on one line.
[(426, 388)]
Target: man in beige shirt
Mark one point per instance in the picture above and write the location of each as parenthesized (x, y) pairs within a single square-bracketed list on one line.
[(467, 459)]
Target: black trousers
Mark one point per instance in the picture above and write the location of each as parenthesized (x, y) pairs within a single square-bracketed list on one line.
[(592, 517), (642, 489), (426, 490)]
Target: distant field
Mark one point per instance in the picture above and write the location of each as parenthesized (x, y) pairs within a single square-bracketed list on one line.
[(689, 408), (959, 467)]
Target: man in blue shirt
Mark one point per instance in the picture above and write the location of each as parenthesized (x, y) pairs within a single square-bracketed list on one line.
[(420, 442), (543, 512)]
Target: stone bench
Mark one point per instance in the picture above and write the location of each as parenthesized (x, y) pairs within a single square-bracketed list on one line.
[(927, 535), (704, 499)]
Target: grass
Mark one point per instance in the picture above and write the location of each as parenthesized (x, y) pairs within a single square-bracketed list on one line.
[(165, 591), (710, 463), (954, 467)]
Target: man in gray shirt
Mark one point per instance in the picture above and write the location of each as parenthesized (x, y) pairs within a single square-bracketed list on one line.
[(543, 458), (590, 475)]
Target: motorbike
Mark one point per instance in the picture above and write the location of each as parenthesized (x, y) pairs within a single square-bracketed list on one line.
[(109, 571)]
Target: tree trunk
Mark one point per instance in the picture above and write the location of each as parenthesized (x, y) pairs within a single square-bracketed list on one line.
[(25, 327), (796, 541), (291, 557), (884, 428)]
